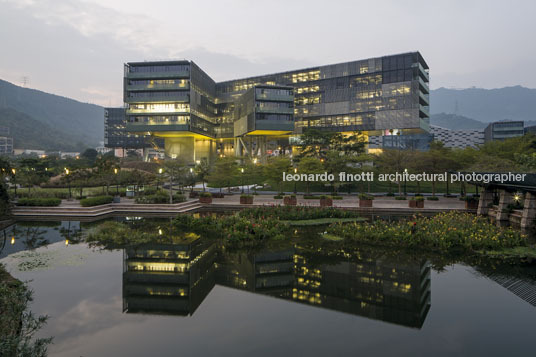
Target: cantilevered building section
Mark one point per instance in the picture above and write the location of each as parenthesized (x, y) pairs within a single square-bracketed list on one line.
[(386, 97)]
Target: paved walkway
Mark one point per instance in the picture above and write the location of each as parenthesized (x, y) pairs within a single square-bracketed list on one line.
[(72, 208), (347, 202)]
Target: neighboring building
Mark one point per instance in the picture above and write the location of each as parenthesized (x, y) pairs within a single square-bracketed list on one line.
[(40, 153), (72, 154), (504, 130), (530, 129), (6, 141), (457, 138), (103, 150), (199, 118), (116, 137)]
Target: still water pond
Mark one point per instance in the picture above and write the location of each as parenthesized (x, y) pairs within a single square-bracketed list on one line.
[(202, 299)]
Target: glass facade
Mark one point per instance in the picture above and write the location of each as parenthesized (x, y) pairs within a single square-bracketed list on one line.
[(377, 96), (116, 136)]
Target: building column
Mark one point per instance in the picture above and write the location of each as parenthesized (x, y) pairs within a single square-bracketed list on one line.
[(529, 210), (506, 198), (486, 197)]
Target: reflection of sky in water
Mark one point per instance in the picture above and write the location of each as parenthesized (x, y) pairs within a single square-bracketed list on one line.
[(469, 315), (29, 235)]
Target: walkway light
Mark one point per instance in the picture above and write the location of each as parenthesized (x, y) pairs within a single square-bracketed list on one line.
[(12, 240), (66, 242), (115, 171), (14, 171), (160, 170), (516, 197)]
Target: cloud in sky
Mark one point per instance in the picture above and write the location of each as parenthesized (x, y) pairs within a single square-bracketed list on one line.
[(77, 48)]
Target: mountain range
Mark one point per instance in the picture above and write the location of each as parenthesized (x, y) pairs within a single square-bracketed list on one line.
[(40, 120)]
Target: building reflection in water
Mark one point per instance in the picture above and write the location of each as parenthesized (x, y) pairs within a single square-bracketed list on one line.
[(171, 279), (174, 279)]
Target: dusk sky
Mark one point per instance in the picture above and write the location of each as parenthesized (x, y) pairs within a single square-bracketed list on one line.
[(77, 48)]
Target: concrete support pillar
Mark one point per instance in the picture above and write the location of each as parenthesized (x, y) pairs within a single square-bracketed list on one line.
[(529, 210), (505, 199), (486, 197)]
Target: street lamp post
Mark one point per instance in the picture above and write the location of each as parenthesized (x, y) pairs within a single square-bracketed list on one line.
[(192, 177), (14, 171), (68, 181), (116, 182), (405, 190), (242, 170), (158, 178), (295, 171)]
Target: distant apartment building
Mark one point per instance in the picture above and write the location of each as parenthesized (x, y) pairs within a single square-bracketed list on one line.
[(504, 130), (459, 139), (6, 141)]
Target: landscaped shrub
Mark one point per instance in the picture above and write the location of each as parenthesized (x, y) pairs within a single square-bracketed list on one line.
[(44, 202), (205, 194), (335, 197), (400, 198), (278, 197), (451, 231), (293, 213), (177, 198), (310, 197), (40, 193), (417, 198), (473, 198), (432, 198), (153, 199), (390, 194), (365, 196), (96, 201)]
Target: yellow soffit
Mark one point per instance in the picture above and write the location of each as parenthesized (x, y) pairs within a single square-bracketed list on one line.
[(180, 134), (270, 132)]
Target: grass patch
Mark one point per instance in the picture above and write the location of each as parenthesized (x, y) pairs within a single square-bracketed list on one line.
[(516, 252), (332, 237)]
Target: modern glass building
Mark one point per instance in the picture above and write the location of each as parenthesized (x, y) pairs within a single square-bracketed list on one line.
[(200, 118), (117, 137)]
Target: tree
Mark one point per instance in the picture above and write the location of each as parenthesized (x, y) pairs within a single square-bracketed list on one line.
[(224, 173), (393, 160), (105, 168), (80, 178), (317, 143), (202, 170), (314, 143), (90, 155), (436, 161), (31, 172), (173, 169), (309, 165), (273, 171)]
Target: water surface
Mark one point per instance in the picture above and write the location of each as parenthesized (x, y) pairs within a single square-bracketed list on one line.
[(203, 299)]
